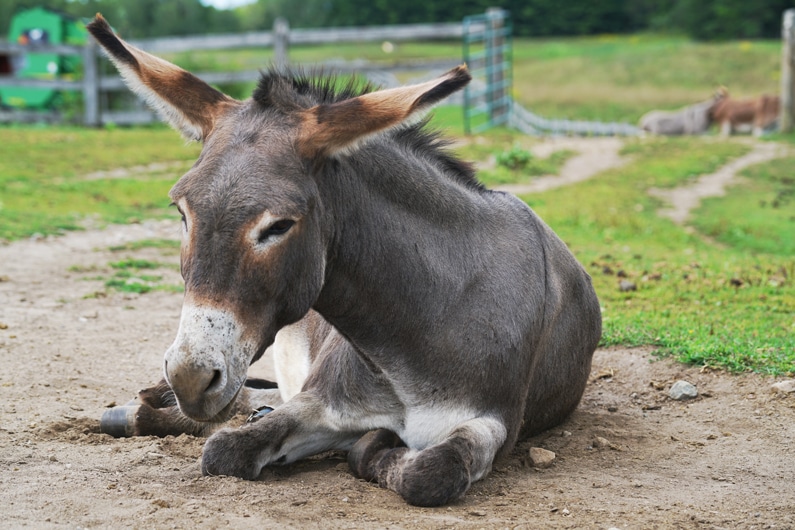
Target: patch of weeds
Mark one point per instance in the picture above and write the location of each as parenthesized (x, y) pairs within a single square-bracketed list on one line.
[(82, 269), (132, 263), (163, 244), (133, 275), (514, 158), (517, 165)]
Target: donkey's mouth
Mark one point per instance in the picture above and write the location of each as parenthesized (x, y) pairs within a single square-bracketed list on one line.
[(223, 415)]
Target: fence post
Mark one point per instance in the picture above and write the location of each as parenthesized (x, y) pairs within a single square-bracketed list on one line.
[(787, 116), (281, 41), (496, 23), (91, 116)]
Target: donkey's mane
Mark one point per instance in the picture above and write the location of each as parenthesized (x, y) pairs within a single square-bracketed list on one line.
[(298, 89)]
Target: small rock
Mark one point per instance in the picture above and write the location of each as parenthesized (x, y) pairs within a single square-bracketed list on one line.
[(477, 513), (784, 387), (626, 286), (3, 325), (682, 390), (541, 458), (604, 443)]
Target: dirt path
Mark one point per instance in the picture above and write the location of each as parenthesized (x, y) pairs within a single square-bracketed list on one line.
[(595, 155), (630, 457), (685, 199)]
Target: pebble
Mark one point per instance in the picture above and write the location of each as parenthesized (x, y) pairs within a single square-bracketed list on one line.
[(784, 387), (541, 458), (682, 390), (604, 443), (626, 286)]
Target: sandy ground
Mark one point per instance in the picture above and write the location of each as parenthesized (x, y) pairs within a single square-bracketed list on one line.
[(630, 457)]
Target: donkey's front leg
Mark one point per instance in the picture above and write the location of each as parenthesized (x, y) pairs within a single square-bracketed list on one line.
[(297, 429), (433, 476), (155, 411)]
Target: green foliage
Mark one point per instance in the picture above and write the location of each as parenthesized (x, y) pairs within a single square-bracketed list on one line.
[(729, 19), (712, 19), (514, 158)]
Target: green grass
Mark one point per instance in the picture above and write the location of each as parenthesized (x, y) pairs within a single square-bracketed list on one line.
[(43, 176), (166, 246), (765, 197), (608, 77), (728, 307), (135, 275), (619, 78)]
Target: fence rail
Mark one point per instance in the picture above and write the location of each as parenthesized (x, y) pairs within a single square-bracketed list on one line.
[(489, 96), (93, 85)]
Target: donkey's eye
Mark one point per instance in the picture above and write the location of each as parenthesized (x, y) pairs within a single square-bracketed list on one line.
[(276, 229)]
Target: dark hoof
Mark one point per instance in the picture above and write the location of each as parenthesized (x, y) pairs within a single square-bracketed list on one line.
[(119, 422), (363, 453)]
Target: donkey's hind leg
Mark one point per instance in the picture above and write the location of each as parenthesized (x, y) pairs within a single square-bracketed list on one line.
[(433, 476)]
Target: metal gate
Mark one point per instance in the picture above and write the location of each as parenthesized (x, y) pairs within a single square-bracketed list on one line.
[(488, 53)]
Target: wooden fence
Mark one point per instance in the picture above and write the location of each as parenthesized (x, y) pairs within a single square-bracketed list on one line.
[(787, 117), (93, 85)]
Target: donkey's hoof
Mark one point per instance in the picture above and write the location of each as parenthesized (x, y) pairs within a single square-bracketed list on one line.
[(362, 456), (119, 422)]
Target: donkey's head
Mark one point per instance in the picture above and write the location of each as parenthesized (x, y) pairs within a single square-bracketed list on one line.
[(255, 228)]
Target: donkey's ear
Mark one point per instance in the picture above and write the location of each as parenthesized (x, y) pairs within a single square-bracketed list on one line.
[(330, 129), (183, 100)]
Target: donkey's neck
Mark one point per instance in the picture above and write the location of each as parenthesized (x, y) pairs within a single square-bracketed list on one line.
[(405, 242)]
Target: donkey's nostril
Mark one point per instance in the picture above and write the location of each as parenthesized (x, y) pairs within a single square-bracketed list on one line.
[(214, 382)]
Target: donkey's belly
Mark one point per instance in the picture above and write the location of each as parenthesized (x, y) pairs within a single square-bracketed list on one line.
[(428, 425)]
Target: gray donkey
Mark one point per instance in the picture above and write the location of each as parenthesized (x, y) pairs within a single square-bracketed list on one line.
[(454, 321), (693, 119)]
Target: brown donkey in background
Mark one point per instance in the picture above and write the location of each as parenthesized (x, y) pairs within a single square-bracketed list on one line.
[(428, 323)]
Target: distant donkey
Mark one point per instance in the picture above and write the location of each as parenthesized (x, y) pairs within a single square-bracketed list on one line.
[(429, 322), (693, 119)]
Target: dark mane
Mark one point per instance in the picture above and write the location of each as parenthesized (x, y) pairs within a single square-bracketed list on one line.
[(297, 89)]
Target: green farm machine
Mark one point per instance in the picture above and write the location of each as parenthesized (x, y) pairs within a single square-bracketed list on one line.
[(34, 29)]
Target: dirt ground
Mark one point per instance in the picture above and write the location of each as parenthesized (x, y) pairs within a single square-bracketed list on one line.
[(630, 457)]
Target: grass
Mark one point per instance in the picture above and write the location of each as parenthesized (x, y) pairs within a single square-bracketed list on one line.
[(607, 77), (721, 295), (728, 307), (135, 275), (46, 190), (766, 198)]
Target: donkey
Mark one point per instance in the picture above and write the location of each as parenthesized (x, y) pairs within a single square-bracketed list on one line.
[(757, 115), (693, 119), (457, 322)]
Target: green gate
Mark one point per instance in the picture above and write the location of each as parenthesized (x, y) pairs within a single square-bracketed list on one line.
[(488, 53)]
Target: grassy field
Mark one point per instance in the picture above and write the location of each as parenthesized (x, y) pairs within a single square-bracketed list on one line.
[(720, 295), (608, 78)]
